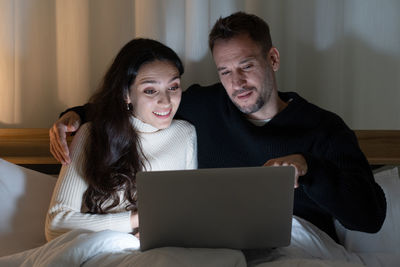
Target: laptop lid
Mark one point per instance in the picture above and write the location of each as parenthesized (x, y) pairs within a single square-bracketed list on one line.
[(238, 208)]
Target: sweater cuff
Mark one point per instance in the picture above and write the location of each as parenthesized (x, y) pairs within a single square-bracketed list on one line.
[(120, 222), (319, 174), (307, 179)]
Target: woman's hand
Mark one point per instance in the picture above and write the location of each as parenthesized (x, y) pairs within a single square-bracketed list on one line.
[(135, 223)]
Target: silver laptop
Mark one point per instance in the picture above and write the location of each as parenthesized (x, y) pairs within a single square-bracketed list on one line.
[(238, 208)]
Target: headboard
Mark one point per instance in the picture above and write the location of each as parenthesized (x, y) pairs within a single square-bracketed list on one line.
[(381, 147), (30, 146)]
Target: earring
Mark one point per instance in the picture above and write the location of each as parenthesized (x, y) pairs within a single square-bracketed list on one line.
[(129, 106)]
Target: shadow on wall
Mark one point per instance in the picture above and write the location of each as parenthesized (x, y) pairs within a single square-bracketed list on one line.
[(358, 82), (200, 72), (333, 57)]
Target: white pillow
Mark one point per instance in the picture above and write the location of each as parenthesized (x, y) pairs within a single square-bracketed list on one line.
[(387, 240), (24, 200)]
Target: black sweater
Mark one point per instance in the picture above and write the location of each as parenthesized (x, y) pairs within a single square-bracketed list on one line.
[(339, 182)]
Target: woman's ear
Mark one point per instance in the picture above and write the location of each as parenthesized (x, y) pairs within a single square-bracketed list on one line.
[(274, 59), (128, 99), (128, 102)]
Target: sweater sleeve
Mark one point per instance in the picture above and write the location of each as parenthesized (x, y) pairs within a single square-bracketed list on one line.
[(82, 111), (340, 180), (191, 156), (65, 211)]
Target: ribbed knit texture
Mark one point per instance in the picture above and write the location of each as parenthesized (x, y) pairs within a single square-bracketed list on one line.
[(339, 183), (173, 148)]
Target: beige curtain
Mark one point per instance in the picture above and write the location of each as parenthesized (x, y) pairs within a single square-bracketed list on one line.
[(343, 55)]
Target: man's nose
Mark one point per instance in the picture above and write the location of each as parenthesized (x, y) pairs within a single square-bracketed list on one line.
[(238, 80)]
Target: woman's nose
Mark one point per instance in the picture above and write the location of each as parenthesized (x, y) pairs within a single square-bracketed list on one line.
[(164, 98)]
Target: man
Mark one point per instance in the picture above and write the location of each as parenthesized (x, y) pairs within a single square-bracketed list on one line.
[(245, 121)]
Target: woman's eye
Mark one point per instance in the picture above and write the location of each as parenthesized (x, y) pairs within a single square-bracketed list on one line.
[(174, 88), (149, 91)]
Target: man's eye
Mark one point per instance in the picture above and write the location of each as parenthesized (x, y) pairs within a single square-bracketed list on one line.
[(247, 67), (225, 73), (149, 91)]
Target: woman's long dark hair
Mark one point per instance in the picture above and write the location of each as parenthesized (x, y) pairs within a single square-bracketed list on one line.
[(113, 152)]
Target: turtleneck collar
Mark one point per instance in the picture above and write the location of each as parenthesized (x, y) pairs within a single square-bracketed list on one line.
[(142, 127)]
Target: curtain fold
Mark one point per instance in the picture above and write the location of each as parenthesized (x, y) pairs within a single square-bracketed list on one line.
[(341, 55), (8, 108)]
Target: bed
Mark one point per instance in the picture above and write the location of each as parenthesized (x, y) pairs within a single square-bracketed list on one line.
[(25, 194)]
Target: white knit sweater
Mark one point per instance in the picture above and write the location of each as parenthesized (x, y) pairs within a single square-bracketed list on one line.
[(174, 148)]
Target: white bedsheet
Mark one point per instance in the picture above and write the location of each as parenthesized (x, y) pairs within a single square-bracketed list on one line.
[(24, 200), (110, 248), (25, 194), (309, 247)]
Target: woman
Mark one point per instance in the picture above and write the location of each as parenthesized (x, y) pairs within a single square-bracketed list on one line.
[(132, 129)]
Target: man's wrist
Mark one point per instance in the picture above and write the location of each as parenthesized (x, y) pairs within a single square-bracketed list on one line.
[(79, 110)]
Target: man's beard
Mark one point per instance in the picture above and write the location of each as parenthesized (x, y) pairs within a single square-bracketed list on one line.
[(253, 108), (248, 109)]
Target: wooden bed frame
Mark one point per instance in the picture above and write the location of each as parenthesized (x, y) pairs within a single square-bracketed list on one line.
[(381, 147), (31, 146)]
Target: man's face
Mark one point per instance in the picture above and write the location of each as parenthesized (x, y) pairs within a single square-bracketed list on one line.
[(245, 72)]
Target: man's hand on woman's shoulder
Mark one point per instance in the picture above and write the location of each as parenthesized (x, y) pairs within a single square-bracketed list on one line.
[(69, 122)]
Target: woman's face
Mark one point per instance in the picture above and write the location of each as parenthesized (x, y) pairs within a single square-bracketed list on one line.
[(156, 93)]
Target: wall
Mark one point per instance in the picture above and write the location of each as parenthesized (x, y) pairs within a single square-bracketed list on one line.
[(343, 55)]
